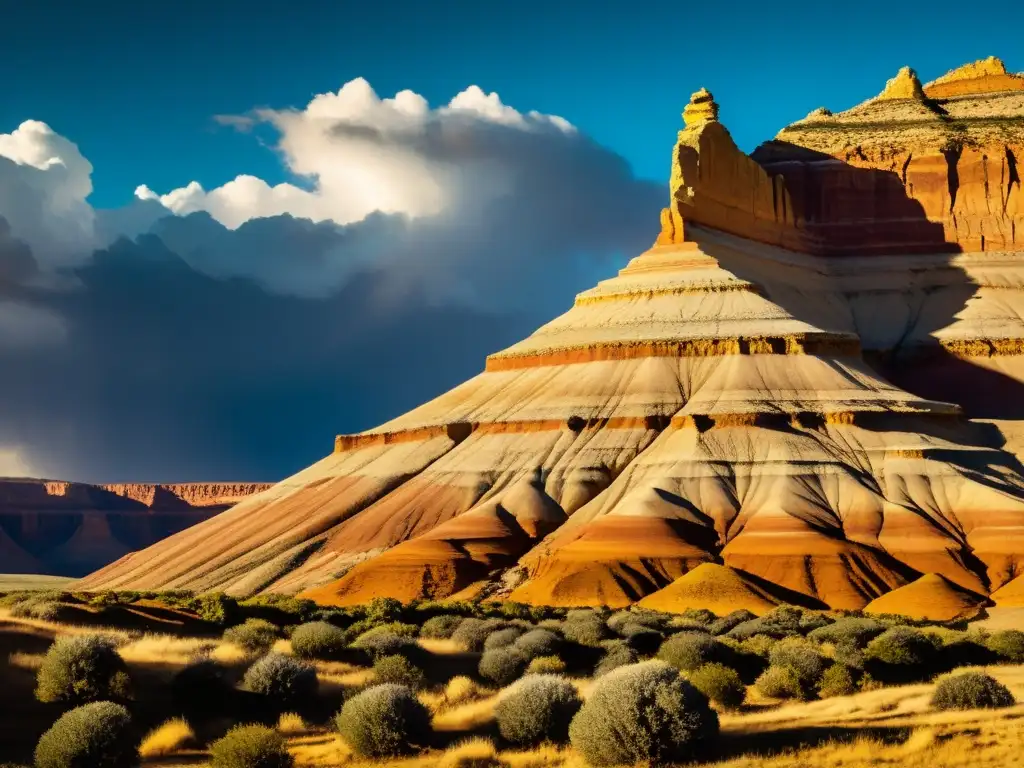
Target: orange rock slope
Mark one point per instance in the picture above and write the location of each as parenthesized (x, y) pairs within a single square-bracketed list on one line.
[(709, 427), (69, 529)]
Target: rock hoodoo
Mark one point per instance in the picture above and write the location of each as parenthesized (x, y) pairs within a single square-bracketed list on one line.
[(737, 418)]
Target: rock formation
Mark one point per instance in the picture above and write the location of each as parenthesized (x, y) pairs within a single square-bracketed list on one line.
[(70, 529), (739, 417)]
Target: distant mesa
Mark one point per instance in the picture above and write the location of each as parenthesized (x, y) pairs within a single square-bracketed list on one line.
[(808, 390)]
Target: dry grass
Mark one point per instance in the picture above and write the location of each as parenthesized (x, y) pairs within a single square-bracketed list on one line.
[(164, 649), (229, 654), (319, 751), (473, 753), (31, 661), (291, 723), (166, 739), (440, 646), (466, 717)]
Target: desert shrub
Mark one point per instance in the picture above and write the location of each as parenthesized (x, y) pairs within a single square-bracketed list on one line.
[(724, 624), (634, 617), (472, 633), (1008, 644), (683, 624), (586, 614), (398, 670), (617, 654), (589, 631), (284, 680), (503, 665), (319, 640), (502, 637), (701, 615), (803, 657), (383, 610), (780, 683), (384, 721), (379, 644), (538, 708), (721, 684), (784, 621), (96, 735), (689, 650), (440, 627), (253, 635), (546, 665), (215, 608), (279, 609), (642, 639), (901, 654), (82, 668), (396, 628), (642, 712), (848, 632), (538, 642), (971, 690), (759, 645), (250, 746), (837, 680), (965, 650), (35, 608)]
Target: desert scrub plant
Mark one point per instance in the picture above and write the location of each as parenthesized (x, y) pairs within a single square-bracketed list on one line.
[(724, 624), (545, 665), (291, 723), (642, 712), (384, 721), (803, 657), (837, 680), (250, 746), (502, 666), (848, 632), (319, 640), (440, 627), (386, 643), (617, 654), (641, 638), (167, 738), (398, 669), (282, 679), (472, 633), (215, 608), (636, 617), (1008, 644), (502, 637), (585, 631), (901, 654), (538, 642), (538, 708), (96, 735), (780, 683), (689, 650), (82, 668), (253, 635), (721, 684), (970, 690)]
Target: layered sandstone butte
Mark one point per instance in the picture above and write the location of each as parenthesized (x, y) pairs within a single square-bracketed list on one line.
[(716, 424), (70, 529)]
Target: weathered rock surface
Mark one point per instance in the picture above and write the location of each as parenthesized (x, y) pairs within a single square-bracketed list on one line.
[(712, 422), (70, 529)]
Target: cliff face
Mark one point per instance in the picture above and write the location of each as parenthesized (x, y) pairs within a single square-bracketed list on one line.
[(69, 529), (712, 419)]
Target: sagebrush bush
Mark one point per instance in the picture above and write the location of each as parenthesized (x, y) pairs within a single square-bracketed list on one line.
[(253, 635), (538, 708), (642, 712), (319, 640), (635, 617), (901, 654), (699, 615), (385, 643), (390, 628), (848, 631), (283, 679), (803, 657), (440, 627), (586, 631), (502, 637), (398, 669), (837, 680), (1008, 644), (472, 633), (250, 746), (546, 665), (82, 668), (780, 683), (617, 654), (503, 666), (784, 621), (689, 650), (641, 638), (538, 642), (215, 608), (96, 735), (384, 721), (722, 625), (971, 690), (721, 684)]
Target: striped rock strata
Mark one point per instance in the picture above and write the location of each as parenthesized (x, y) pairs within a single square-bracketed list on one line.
[(713, 403)]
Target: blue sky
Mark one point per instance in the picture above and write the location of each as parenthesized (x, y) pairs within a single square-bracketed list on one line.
[(136, 84)]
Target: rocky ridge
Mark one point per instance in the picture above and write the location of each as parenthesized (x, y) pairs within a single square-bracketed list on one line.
[(717, 418)]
